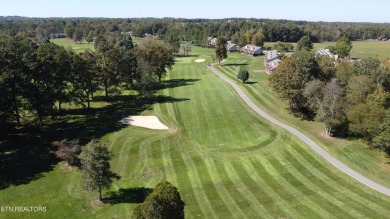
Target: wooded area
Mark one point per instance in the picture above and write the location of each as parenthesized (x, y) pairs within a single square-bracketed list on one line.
[(351, 98)]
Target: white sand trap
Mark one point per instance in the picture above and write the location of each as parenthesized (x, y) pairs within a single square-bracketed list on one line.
[(150, 122), (200, 60)]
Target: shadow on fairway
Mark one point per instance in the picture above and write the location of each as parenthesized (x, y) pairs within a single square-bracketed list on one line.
[(26, 153), (130, 195), (191, 55), (177, 83), (251, 82), (235, 64)]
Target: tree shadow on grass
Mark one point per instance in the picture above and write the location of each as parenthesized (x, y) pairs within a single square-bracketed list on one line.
[(130, 195), (23, 158), (26, 153), (177, 83), (235, 64), (189, 55), (251, 82)]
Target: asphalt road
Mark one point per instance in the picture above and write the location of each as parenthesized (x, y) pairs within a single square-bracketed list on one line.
[(304, 138)]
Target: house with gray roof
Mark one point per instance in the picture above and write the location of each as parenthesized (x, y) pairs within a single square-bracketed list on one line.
[(231, 47), (271, 61), (251, 50), (326, 52)]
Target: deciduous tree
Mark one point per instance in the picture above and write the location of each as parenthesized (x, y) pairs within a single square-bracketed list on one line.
[(327, 101), (304, 44), (292, 74), (67, 150), (164, 202), (95, 167), (343, 47), (243, 75), (220, 49)]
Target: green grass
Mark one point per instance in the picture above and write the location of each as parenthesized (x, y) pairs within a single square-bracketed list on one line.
[(227, 161), (361, 49), (69, 43), (354, 153)]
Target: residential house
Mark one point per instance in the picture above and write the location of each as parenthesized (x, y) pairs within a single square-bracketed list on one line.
[(231, 47), (251, 50), (271, 61), (57, 35), (148, 35), (326, 52)]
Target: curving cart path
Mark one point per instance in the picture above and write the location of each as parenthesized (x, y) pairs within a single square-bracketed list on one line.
[(304, 138)]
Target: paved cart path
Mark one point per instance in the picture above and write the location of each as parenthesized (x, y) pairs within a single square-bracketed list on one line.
[(304, 138)]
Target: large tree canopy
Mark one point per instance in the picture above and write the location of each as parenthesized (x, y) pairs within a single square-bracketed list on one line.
[(343, 47), (304, 44), (164, 202), (292, 74), (220, 49), (95, 167)]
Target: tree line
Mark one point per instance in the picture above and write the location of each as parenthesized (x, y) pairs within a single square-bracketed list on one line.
[(239, 30), (351, 98), (36, 78)]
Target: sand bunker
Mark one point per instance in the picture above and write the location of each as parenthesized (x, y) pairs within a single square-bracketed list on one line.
[(200, 60), (150, 122)]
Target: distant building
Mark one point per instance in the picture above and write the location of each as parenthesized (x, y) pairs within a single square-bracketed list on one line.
[(326, 52), (231, 47), (57, 35), (251, 50), (129, 33), (147, 35), (271, 61), (211, 41)]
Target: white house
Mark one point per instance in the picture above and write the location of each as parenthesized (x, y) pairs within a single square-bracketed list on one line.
[(231, 47), (251, 50), (211, 41), (271, 61), (326, 52)]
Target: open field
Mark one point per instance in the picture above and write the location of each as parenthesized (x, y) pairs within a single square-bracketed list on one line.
[(79, 47), (226, 160), (361, 49), (69, 43)]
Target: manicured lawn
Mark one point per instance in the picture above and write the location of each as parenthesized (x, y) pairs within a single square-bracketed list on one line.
[(361, 49), (69, 43), (226, 160)]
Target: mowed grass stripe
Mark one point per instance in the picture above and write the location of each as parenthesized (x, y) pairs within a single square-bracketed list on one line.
[(361, 190), (196, 184), (339, 187), (228, 200), (241, 186), (170, 174), (329, 201), (268, 196), (325, 189), (194, 204), (241, 200), (285, 199), (218, 203), (261, 97), (307, 196)]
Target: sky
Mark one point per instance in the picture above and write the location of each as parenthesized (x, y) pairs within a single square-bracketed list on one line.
[(326, 10)]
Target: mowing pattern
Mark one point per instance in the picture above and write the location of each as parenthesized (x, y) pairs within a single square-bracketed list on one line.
[(226, 161), (229, 163)]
